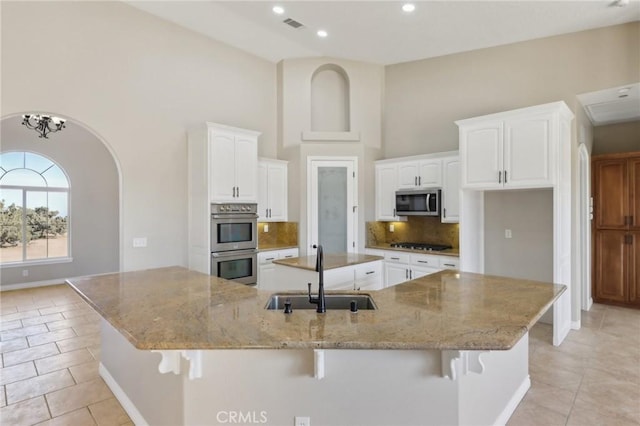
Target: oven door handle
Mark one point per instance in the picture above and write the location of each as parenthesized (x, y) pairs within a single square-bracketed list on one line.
[(234, 216), (233, 253)]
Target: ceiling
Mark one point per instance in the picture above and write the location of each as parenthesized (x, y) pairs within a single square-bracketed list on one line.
[(379, 31)]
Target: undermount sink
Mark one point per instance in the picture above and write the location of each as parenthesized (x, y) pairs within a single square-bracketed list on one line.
[(333, 301)]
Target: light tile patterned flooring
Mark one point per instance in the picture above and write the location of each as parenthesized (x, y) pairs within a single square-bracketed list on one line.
[(49, 340)]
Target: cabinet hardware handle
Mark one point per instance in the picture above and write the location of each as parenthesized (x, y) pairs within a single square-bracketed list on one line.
[(266, 212), (415, 180), (406, 273), (500, 176), (395, 258), (423, 261), (444, 212), (394, 211), (448, 264), (288, 256), (370, 272), (410, 274), (270, 258), (238, 190), (419, 180), (234, 192), (505, 176)]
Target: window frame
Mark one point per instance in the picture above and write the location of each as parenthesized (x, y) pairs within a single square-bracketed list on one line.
[(43, 189)]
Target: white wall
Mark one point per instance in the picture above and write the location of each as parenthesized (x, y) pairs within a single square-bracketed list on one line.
[(139, 82)]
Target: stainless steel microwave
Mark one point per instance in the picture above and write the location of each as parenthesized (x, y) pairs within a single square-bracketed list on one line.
[(419, 202)]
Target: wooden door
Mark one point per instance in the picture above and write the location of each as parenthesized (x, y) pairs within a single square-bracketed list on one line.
[(609, 264), (634, 193), (610, 186), (633, 273)]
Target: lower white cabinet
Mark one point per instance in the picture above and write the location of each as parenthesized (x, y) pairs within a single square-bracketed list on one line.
[(266, 268), (364, 276), (401, 266)]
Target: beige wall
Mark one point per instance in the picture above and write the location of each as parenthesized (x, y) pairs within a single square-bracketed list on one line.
[(139, 83), (620, 137), (424, 98)]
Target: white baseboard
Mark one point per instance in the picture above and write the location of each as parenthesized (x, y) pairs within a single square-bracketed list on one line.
[(576, 325), (33, 284), (122, 397), (504, 417)]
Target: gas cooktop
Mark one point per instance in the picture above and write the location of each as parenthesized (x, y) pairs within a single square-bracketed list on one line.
[(421, 246)]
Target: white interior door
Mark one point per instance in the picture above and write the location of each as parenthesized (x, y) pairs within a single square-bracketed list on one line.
[(332, 204)]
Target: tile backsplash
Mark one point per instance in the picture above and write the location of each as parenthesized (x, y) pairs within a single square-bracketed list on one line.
[(417, 229), (281, 234)]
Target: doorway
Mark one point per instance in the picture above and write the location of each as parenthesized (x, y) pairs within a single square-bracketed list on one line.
[(332, 204)]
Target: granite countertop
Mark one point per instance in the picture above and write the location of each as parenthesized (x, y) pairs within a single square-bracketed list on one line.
[(331, 261), (387, 246), (175, 308), (272, 247)]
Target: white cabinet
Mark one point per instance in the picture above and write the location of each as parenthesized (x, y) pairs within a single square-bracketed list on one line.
[(420, 174), (509, 150), (368, 276), (266, 268), (450, 190), (386, 187), (234, 164), (364, 276), (439, 170), (272, 190), (401, 266), (222, 167)]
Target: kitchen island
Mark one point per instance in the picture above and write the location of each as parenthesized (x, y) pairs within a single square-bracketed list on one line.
[(180, 347)]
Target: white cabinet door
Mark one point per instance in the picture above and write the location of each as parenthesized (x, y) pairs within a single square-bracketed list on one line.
[(246, 169), (408, 173), (263, 191), (450, 190), (368, 276), (481, 155), (395, 274), (386, 187), (430, 174), (417, 272), (527, 152), (277, 192), (222, 166)]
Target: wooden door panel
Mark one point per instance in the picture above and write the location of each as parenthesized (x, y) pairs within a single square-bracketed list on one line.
[(633, 268), (610, 186), (634, 193), (609, 264)]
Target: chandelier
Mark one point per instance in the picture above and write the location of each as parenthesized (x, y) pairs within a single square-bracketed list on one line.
[(43, 124)]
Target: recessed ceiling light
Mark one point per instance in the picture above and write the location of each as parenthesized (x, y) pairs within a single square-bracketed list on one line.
[(278, 10), (322, 33), (408, 7)]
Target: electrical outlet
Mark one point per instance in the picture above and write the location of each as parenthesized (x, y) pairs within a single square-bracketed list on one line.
[(140, 242), (266, 228), (25, 272), (507, 233), (391, 227), (302, 421)]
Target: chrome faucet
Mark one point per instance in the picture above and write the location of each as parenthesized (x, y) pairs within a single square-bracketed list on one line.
[(320, 300)]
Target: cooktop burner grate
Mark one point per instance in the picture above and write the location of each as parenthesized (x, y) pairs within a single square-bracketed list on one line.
[(421, 246)]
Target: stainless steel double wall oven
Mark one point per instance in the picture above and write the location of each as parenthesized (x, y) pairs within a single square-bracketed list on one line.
[(234, 242)]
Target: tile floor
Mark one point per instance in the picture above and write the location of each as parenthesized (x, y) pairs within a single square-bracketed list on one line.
[(50, 346)]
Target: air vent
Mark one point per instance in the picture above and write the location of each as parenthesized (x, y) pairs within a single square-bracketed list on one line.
[(293, 23)]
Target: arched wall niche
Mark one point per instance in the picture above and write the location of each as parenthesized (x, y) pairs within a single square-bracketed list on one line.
[(330, 99)]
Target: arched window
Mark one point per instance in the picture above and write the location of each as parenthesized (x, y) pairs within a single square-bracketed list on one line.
[(34, 208)]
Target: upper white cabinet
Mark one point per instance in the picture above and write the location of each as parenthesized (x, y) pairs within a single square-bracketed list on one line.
[(386, 187), (233, 164), (420, 174), (450, 190), (515, 149), (439, 170), (272, 190)]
